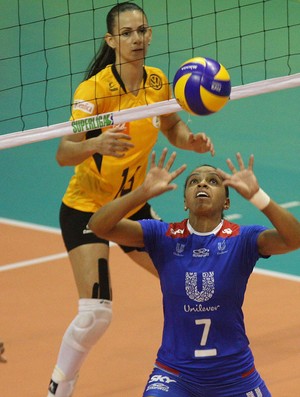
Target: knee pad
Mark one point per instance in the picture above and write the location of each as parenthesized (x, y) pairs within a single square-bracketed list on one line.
[(93, 319)]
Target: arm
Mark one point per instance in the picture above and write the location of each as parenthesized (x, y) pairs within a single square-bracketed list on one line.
[(74, 149), (108, 221), (285, 236), (179, 135)]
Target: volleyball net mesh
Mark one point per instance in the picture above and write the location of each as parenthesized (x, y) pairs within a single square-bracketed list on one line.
[(46, 47)]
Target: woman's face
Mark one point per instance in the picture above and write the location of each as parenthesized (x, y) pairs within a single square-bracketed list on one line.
[(131, 36), (205, 191)]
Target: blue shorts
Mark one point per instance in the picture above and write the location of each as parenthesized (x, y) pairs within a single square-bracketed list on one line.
[(162, 383)]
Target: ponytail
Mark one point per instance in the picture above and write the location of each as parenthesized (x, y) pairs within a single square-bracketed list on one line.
[(105, 56)]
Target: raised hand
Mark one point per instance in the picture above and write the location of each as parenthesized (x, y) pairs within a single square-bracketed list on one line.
[(201, 143), (159, 177), (243, 179), (113, 142)]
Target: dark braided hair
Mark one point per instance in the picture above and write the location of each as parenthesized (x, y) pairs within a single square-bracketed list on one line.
[(106, 54)]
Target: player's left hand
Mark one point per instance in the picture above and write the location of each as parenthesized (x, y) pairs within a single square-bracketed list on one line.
[(243, 180), (201, 143)]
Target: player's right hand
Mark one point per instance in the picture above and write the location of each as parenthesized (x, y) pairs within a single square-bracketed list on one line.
[(113, 142)]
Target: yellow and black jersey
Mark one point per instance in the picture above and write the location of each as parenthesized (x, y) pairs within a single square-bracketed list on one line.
[(100, 179)]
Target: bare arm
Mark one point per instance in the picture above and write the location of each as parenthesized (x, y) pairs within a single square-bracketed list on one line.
[(179, 135), (108, 221), (285, 236), (74, 149)]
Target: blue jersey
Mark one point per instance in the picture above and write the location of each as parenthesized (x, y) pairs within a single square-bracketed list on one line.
[(203, 279)]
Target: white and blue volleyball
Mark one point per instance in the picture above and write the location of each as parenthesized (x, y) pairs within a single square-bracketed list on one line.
[(202, 86)]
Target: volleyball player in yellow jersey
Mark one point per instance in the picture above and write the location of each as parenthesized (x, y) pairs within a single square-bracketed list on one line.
[(109, 164)]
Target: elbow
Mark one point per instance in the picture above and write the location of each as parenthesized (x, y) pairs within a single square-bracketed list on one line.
[(293, 241), (59, 162), (60, 159), (94, 227), (295, 245)]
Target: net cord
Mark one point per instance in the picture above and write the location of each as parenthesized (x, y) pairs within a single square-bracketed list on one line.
[(156, 109)]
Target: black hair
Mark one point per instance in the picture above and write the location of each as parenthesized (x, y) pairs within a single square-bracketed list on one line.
[(106, 54), (205, 165)]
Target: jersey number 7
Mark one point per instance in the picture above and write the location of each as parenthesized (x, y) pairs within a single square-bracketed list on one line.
[(206, 327)]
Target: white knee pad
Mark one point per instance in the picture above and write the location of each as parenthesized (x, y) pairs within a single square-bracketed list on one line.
[(94, 317)]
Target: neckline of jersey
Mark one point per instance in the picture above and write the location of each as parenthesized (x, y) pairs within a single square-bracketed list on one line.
[(120, 81), (214, 231)]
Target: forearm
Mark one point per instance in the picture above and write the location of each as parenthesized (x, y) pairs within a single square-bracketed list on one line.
[(287, 226), (178, 135), (107, 217), (71, 153)]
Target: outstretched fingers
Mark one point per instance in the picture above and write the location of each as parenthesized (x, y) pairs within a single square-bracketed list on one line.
[(162, 159), (178, 171), (164, 166), (240, 161), (241, 164), (251, 162)]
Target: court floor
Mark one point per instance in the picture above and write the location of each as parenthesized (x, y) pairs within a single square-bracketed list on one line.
[(38, 299)]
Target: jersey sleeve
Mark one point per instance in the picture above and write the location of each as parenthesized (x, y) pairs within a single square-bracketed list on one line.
[(250, 247), (154, 232), (84, 101)]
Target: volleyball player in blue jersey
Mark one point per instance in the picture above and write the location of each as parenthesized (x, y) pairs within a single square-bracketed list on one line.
[(204, 263)]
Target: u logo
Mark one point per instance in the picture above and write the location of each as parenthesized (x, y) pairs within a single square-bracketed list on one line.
[(208, 286)]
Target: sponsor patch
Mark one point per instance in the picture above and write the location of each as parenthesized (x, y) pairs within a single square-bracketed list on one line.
[(84, 106)]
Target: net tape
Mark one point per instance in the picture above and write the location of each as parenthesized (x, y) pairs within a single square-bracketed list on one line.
[(140, 112)]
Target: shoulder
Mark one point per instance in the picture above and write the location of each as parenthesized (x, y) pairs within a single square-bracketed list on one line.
[(99, 78), (178, 229), (88, 93), (230, 229)]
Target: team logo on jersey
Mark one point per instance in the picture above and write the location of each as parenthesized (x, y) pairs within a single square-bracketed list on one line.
[(227, 231), (179, 249), (222, 248), (200, 253), (84, 106), (208, 286), (112, 87), (155, 82), (176, 231)]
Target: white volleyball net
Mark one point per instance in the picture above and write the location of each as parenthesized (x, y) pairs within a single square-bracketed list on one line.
[(46, 47)]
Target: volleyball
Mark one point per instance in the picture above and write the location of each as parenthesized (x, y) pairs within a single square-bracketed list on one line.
[(202, 86)]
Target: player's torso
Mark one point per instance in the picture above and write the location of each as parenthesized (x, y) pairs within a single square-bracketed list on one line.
[(203, 280), (100, 179)]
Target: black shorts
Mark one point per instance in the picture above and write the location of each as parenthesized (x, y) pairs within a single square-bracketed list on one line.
[(73, 225)]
